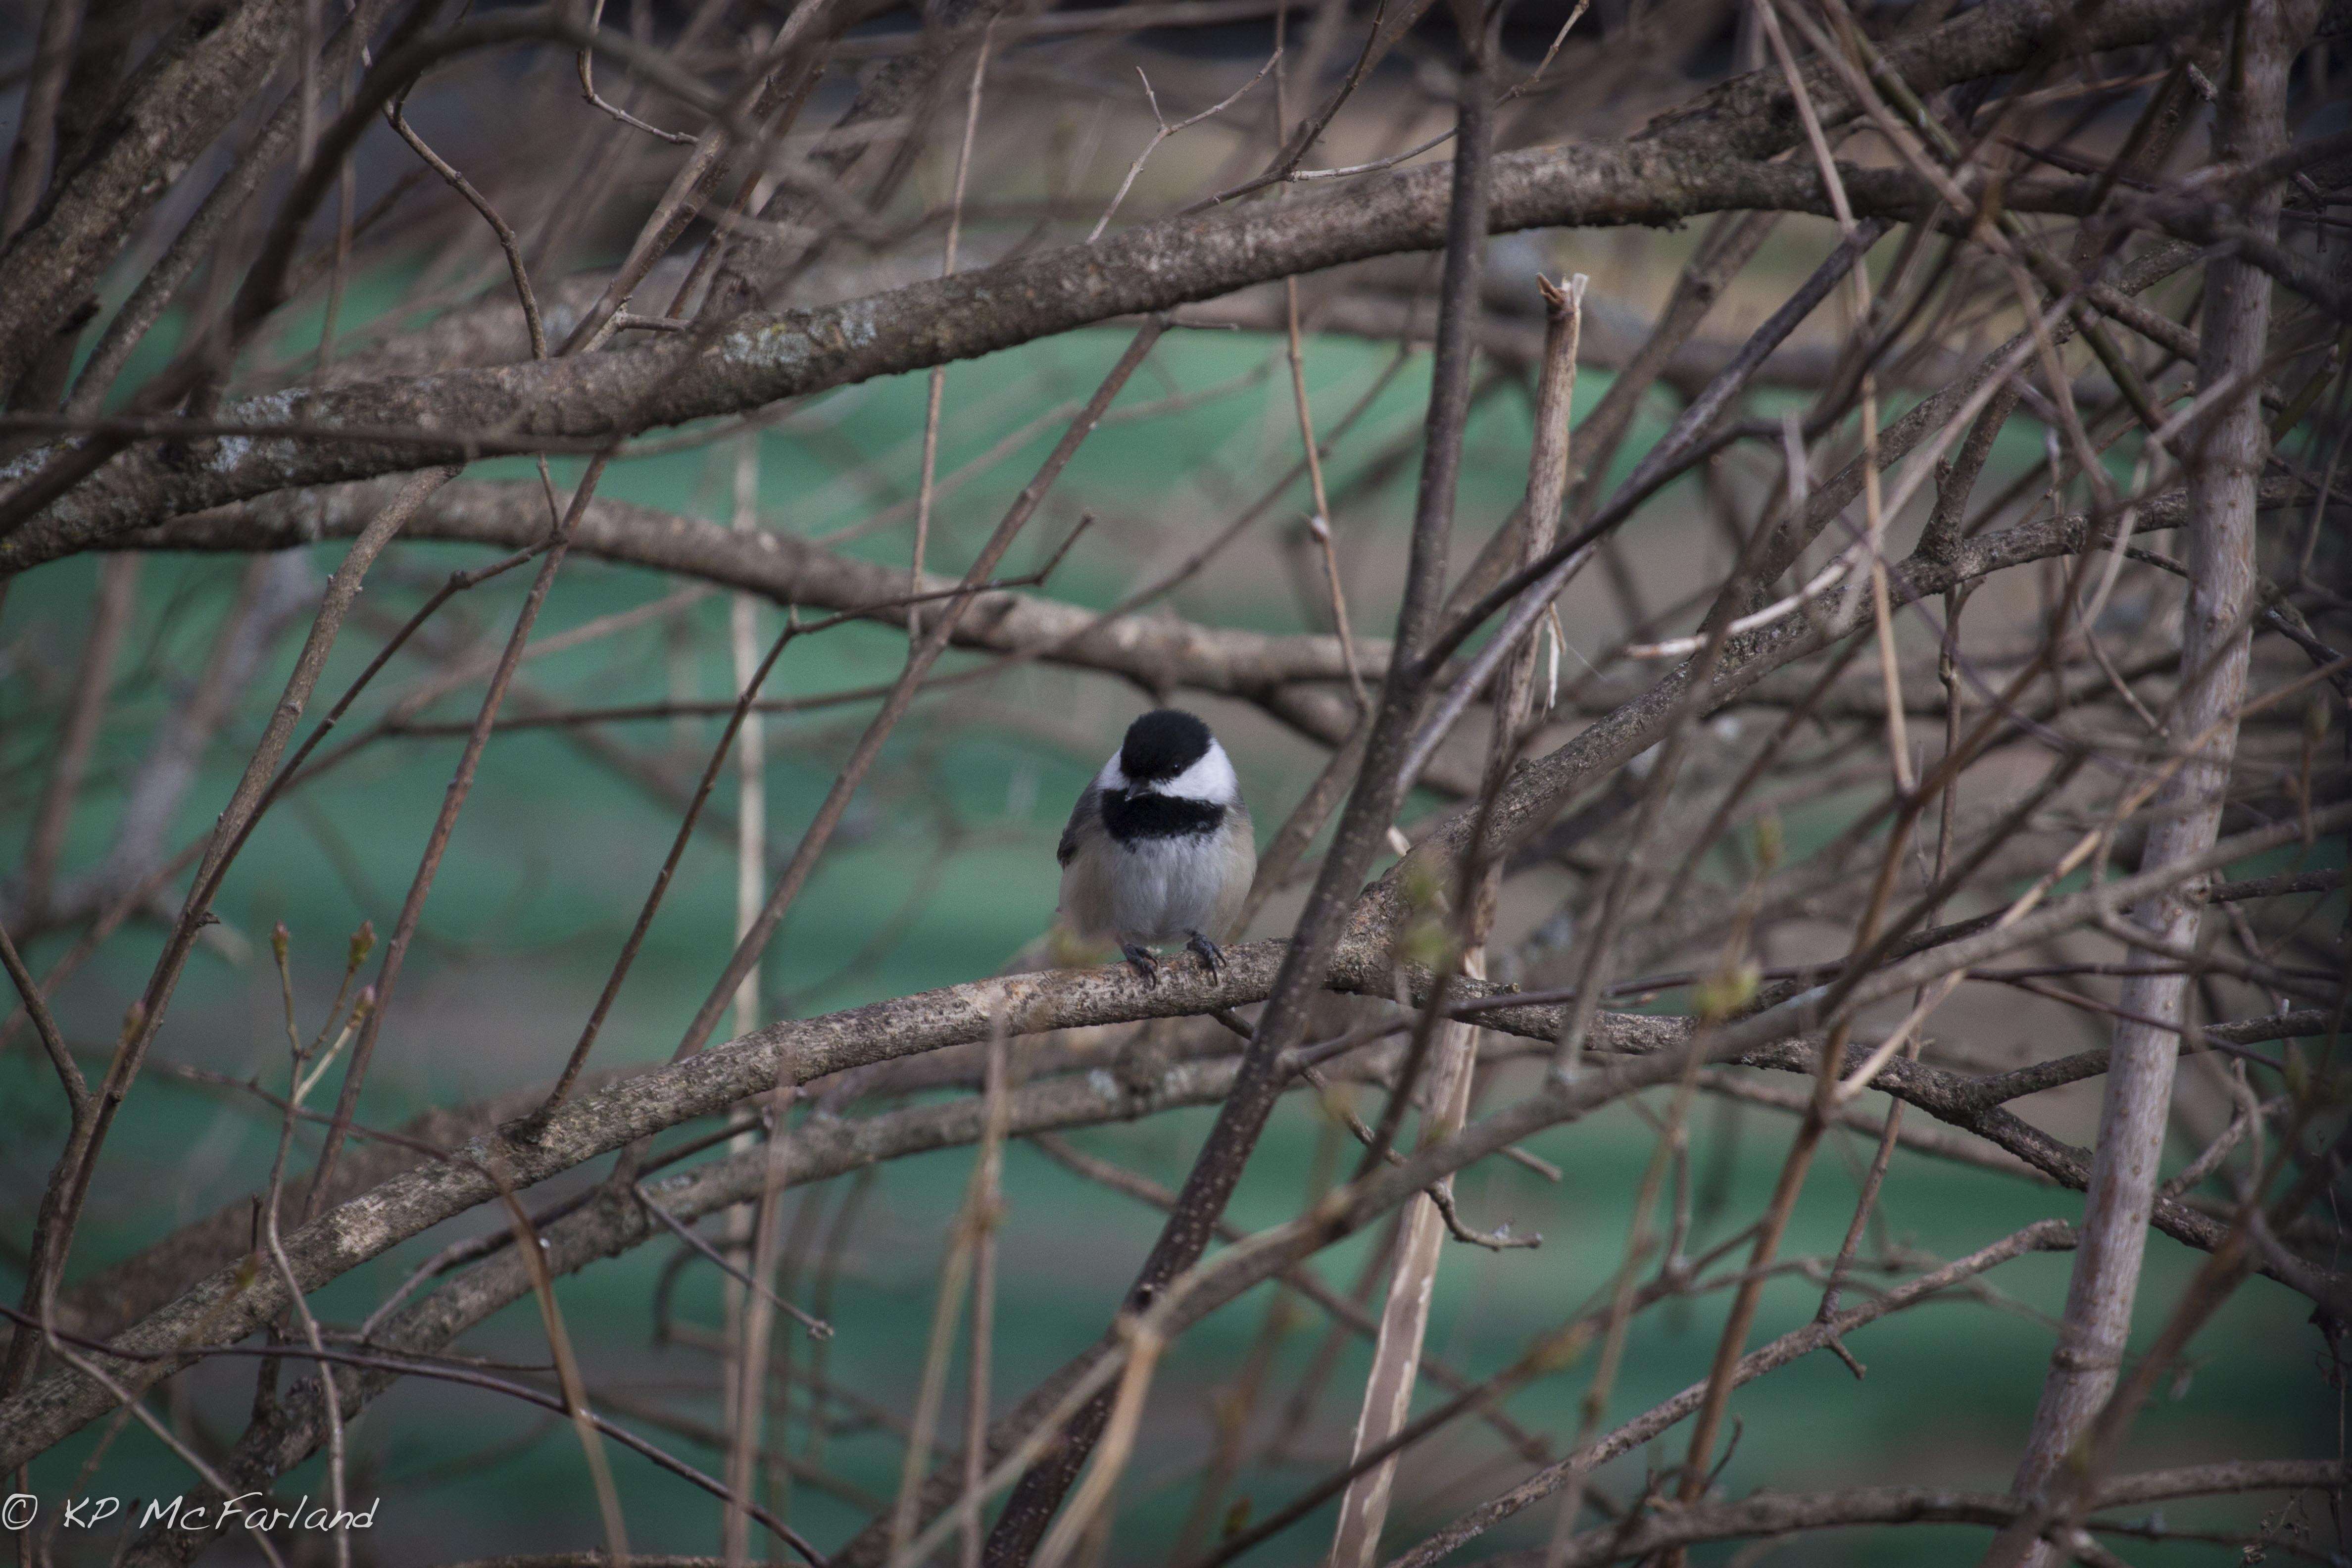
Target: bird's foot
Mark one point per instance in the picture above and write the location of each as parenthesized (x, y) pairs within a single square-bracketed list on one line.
[(1146, 968), (1211, 955)]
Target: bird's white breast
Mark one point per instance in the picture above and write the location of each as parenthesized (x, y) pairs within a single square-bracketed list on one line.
[(1162, 888)]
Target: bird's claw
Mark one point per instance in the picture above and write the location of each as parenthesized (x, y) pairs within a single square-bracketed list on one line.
[(1211, 956), (1146, 968)]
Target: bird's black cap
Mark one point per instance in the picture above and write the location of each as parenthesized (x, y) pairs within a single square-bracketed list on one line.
[(1161, 744)]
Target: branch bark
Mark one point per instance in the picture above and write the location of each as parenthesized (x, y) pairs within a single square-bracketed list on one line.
[(195, 83)]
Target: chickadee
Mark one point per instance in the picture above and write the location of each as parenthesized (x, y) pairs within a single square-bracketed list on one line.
[(1158, 848)]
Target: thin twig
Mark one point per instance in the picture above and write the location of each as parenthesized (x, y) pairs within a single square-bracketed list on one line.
[(938, 380), (1165, 131)]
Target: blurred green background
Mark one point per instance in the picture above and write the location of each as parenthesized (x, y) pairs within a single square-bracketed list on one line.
[(943, 870)]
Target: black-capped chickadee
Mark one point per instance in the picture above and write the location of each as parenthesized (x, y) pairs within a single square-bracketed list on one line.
[(1159, 848)]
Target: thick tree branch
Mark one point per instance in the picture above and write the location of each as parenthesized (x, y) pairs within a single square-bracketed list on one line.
[(1680, 169), (1149, 649)]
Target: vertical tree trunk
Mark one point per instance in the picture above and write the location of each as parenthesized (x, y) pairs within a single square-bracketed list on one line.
[(2225, 455), (1413, 1283)]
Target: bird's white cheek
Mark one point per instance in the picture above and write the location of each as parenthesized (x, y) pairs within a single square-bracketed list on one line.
[(1210, 779)]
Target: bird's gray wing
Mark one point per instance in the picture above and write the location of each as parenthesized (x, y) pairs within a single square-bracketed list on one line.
[(1089, 807)]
